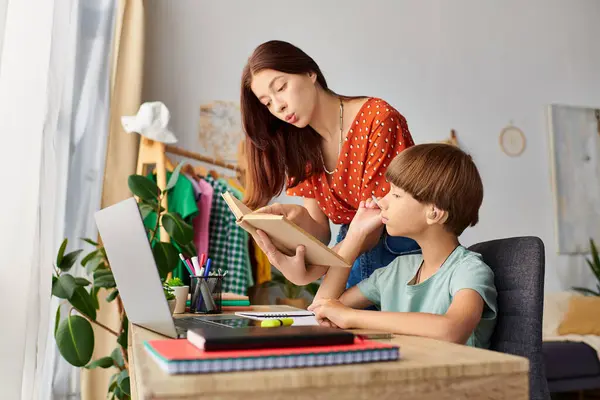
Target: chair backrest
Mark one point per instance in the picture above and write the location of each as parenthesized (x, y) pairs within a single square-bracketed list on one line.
[(518, 264)]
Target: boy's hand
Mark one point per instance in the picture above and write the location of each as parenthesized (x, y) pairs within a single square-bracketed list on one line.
[(330, 311), (367, 219), (366, 227)]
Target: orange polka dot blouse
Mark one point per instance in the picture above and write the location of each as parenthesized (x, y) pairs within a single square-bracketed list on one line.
[(378, 133)]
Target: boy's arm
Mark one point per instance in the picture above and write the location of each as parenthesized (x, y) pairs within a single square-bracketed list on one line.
[(456, 325), (354, 298), (364, 233), (334, 282)]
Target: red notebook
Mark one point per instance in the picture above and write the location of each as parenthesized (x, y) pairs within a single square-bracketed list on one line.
[(178, 356)]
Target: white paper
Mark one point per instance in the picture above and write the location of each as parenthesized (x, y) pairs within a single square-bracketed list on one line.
[(301, 318)]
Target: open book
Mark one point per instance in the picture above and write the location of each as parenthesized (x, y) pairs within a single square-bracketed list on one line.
[(284, 234)]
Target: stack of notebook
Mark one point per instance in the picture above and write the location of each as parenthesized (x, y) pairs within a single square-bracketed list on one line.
[(179, 356)]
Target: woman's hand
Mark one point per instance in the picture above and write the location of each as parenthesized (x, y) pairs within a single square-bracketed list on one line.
[(292, 212), (294, 267)]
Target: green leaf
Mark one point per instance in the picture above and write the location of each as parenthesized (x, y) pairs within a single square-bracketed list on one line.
[(104, 362), (174, 177), (123, 382), (75, 340), (178, 229), (91, 255), (103, 277), (61, 252), (94, 297), (143, 187), (93, 264), (82, 300), (122, 339), (189, 249), (64, 286), (166, 257), (106, 281), (118, 357), (113, 295), (112, 383), (146, 209), (100, 272), (595, 262), (90, 241), (68, 260), (57, 318), (81, 281), (586, 291)]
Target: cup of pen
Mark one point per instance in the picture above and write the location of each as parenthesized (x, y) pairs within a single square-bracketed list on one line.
[(205, 294)]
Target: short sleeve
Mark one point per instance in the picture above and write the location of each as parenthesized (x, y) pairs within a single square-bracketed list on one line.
[(303, 189), (474, 274), (389, 136), (371, 287)]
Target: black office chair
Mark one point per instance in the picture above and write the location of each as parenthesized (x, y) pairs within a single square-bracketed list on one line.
[(518, 264)]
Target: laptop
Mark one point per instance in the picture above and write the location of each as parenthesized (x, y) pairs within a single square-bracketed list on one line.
[(130, 256)]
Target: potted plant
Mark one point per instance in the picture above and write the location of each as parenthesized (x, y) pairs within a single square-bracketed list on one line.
[(180, 291), (594, 264), (292, 292), (170, 296), (73, 332)]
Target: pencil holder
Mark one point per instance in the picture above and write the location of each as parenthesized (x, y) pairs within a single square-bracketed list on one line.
[(206, 294)]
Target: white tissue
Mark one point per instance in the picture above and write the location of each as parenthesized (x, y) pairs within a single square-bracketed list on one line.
[(151, 121)]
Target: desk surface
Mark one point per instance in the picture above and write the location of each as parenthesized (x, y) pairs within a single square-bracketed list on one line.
[(427, 369)]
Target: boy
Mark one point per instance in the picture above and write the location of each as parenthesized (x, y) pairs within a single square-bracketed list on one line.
[(447, 292)]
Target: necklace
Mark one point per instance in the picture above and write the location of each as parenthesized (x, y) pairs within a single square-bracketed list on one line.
[(341, 134)]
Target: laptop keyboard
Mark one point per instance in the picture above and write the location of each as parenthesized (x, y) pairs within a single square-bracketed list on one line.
[(190, 322)]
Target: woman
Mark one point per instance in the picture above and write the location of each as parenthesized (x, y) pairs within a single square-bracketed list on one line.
[(331, 150)]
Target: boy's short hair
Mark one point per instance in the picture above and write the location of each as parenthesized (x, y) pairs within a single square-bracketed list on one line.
[(442, 175)]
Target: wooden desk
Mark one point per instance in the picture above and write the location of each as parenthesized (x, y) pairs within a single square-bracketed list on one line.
[(427, 369)]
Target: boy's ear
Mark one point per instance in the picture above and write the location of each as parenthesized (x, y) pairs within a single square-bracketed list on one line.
[(436, 216)]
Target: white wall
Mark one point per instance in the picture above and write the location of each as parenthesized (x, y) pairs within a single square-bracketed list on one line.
[(470, 65)]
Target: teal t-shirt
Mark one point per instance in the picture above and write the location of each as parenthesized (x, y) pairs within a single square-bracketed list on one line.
[(389, 288)]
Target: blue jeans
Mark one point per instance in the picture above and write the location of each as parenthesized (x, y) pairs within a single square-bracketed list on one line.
[(388, 248)]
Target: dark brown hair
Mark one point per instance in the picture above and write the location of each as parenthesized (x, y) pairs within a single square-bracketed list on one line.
[(276, 150), (442, 175)]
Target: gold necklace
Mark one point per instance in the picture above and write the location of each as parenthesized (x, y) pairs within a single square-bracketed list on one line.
[(341, 134)]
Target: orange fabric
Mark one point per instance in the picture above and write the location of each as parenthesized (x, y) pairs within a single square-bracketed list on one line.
[(379, 133)]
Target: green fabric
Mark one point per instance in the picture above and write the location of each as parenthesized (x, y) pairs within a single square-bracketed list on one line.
[(389, 288), (240, 196), (181, 200), (228, 243)]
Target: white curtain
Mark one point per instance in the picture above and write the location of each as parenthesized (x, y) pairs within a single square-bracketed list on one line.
[(53, 118)]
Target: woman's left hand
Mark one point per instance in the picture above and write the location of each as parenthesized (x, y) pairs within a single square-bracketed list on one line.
[(332, 310), (294, 267)]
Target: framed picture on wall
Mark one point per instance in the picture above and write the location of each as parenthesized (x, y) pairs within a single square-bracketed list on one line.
[(575, 162)]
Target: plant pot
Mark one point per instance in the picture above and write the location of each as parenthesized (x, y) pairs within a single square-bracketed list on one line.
[(181, 295), (172, 304), (301, 303)]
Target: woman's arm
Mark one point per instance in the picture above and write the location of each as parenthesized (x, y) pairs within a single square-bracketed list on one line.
[(320, 229)]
